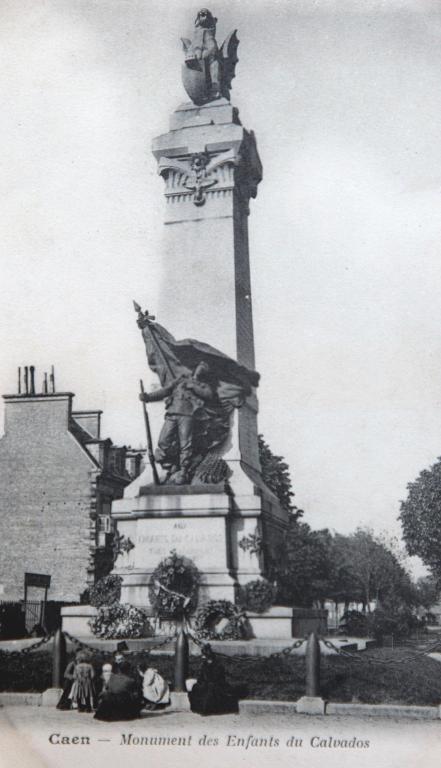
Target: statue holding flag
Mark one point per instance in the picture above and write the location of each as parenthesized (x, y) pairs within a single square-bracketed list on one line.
[(200, 386)]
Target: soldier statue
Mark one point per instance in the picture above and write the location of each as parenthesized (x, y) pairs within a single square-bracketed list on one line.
[(185, 398), (201, 387)]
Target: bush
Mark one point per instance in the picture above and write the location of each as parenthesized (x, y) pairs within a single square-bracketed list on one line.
[(257, 596), (399, 624), (118, 621), (174, 587), (354, 623), (106, 591), (220, 620)]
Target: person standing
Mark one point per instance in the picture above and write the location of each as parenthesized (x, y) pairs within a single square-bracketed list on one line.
[(65, 702), (82, 694), (212, 694)]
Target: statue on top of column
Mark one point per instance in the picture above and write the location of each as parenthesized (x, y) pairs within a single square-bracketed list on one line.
[(208, 69)]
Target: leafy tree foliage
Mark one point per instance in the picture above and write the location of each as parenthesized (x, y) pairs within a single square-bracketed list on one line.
[(427, 592), (316, 566), (343, 587), (302, 572), (377, 570), (421, 518), (275, 474)]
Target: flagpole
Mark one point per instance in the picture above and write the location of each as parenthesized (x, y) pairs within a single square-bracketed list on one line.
[(149, 438)]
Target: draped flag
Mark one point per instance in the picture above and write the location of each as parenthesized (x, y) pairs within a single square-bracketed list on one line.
[(230, 382), (169, 359)]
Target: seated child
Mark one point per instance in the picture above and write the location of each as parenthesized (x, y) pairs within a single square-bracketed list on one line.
[(155, 689)]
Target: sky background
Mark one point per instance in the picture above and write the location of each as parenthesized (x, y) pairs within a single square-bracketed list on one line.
[(344, 98)]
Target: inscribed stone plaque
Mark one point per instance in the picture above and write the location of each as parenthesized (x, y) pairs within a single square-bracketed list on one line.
[(201, 539)]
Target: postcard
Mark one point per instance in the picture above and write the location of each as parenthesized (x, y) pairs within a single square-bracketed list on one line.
[(220, 334)]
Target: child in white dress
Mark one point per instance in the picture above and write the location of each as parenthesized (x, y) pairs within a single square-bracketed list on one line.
[(155, 690)]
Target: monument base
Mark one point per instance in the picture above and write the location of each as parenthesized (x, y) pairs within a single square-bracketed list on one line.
[(50, 697), (75, 619), (215, 528)]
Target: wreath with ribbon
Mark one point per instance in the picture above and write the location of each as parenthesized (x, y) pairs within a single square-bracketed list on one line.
[(174, 587), (220, 620)]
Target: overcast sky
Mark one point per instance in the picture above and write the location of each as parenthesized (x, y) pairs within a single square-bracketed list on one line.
[(344, 98)]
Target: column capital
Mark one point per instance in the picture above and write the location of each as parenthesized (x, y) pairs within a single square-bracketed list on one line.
[(200, 161)]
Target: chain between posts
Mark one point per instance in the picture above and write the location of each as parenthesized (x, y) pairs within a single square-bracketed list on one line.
[(370, 660), (234, 657), (29, 648), (92, 649), (247, 659)]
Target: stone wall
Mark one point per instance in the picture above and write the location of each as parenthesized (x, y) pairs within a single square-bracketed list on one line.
[(45, 499)]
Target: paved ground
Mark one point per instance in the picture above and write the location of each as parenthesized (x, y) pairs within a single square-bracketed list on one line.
[(25, 734)]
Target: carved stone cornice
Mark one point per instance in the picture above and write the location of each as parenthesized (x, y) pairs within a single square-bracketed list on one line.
[(197, 176)]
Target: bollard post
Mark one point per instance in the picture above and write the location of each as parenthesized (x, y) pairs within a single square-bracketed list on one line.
[(58, 659), (312, 660), (181, 660)]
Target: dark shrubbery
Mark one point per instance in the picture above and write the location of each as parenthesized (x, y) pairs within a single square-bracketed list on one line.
[(380, 623), (399, 623), (283, 679)]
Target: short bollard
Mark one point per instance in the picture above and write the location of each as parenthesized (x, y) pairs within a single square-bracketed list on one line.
[(312, 660), (58, 659), (181, 660)]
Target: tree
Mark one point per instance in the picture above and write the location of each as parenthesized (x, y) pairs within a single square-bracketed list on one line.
[(343, 585), (275, 474), (377, 571), (421, 518), (427, 592), (302, 571)]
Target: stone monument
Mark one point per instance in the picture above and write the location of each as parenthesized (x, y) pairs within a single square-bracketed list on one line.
[(203, 495)]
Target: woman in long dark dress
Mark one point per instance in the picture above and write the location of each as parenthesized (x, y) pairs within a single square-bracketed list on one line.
[(120, 698), (65, 702), (211, 694)]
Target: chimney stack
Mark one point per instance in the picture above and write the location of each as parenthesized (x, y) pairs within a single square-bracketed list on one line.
[(32, 387)]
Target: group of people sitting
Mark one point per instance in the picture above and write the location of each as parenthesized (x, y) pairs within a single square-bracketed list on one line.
[(122, 691)]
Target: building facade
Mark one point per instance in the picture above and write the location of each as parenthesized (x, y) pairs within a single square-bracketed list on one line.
[(58, 479)]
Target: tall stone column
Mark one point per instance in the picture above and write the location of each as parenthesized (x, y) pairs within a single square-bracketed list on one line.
[(211, 169)]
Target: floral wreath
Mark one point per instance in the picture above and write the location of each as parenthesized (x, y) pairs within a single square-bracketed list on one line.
[(257, 596), (209, 616), (174, 587)]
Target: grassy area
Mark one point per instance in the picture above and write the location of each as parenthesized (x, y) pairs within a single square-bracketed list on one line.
[(412, 682)]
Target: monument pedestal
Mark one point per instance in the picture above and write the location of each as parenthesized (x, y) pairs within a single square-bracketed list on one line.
[(205, 524)]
